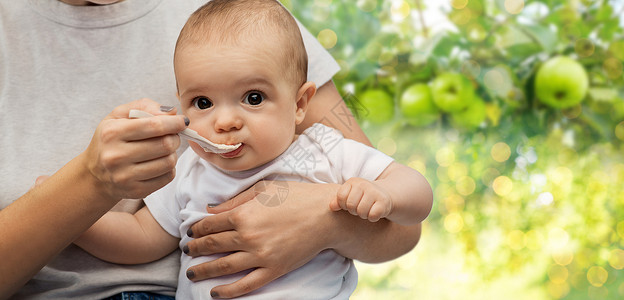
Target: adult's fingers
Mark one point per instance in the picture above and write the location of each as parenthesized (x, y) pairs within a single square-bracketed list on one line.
[(221, 242), (141, 150), (211, 224), (146, 187), (153, 168), (251, 282), (144, 104), (235, 202), (230, 264), (142, 129)]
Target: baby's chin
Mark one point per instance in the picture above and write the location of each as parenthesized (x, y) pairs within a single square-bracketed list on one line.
[(229, 165)]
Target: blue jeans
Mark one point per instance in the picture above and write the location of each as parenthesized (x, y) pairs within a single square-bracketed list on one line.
[(138, 296)]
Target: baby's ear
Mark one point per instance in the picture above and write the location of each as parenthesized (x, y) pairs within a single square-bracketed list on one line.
[(305, 93)]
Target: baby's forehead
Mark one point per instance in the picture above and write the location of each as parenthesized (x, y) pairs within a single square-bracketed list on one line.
[(271, 49)]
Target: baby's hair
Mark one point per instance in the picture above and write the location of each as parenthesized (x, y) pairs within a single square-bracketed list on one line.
[(231, 22)]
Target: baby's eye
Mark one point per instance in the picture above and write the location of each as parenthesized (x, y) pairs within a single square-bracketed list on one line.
[(254, 98), (202, 103)]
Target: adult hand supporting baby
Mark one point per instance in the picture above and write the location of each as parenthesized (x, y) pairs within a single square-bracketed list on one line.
[(275, 240)]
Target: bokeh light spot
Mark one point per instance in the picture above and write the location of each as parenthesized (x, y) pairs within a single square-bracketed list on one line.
[(557, 290), (462, 17), (493, 79), (597, 276), (616, 259), (500, 152), (418, 166), (514, 7), (327, 38), (573, 112), (498, 81), (399, 10), (367, 5), (459, 4), (320, 13), (558, 239), (476, 32), (454, 203), (471, 68), (502, 185), (620, 229), (453, 223), (558, 274), (563, 257), (545, 199), (613, 67), (516, 240), (584, 47), (387, 145), (445, 156), (457, 170), (561, 176), (465, 185)]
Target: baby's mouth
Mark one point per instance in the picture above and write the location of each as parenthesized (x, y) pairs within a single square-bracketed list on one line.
[(233, 153)]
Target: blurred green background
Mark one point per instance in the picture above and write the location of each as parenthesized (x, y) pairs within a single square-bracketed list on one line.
[(514, 111)]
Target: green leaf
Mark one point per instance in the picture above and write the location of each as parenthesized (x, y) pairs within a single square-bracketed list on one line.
[(423, 54), (445, 45), (604, 13), (542, 35), (520, 52)]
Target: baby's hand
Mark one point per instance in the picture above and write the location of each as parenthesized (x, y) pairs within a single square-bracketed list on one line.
[(363, 198)]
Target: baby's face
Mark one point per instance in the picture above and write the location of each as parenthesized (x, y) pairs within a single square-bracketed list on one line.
[(237, 95)]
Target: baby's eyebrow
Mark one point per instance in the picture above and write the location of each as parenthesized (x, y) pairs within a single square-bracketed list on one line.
[(254, 80)]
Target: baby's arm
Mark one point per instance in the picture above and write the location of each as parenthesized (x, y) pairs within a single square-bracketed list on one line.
[(124, 238), (400, 194)]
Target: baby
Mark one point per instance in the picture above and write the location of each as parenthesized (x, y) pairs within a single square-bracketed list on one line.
[(241, 67)]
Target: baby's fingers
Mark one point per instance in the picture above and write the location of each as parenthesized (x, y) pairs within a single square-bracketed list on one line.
[(334, 205), (378, 211), (364, 206), (341, 197)]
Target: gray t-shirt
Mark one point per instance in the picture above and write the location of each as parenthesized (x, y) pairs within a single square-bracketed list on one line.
[(64, 68)]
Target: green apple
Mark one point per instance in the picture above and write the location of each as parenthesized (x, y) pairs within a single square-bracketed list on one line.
[(452, 92), (379, 106), (417, 106), (470, 117), (561, 82)]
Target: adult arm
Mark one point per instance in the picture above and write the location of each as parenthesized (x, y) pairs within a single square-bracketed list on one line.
[(277, 240), (328, 108), (125, 159)]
